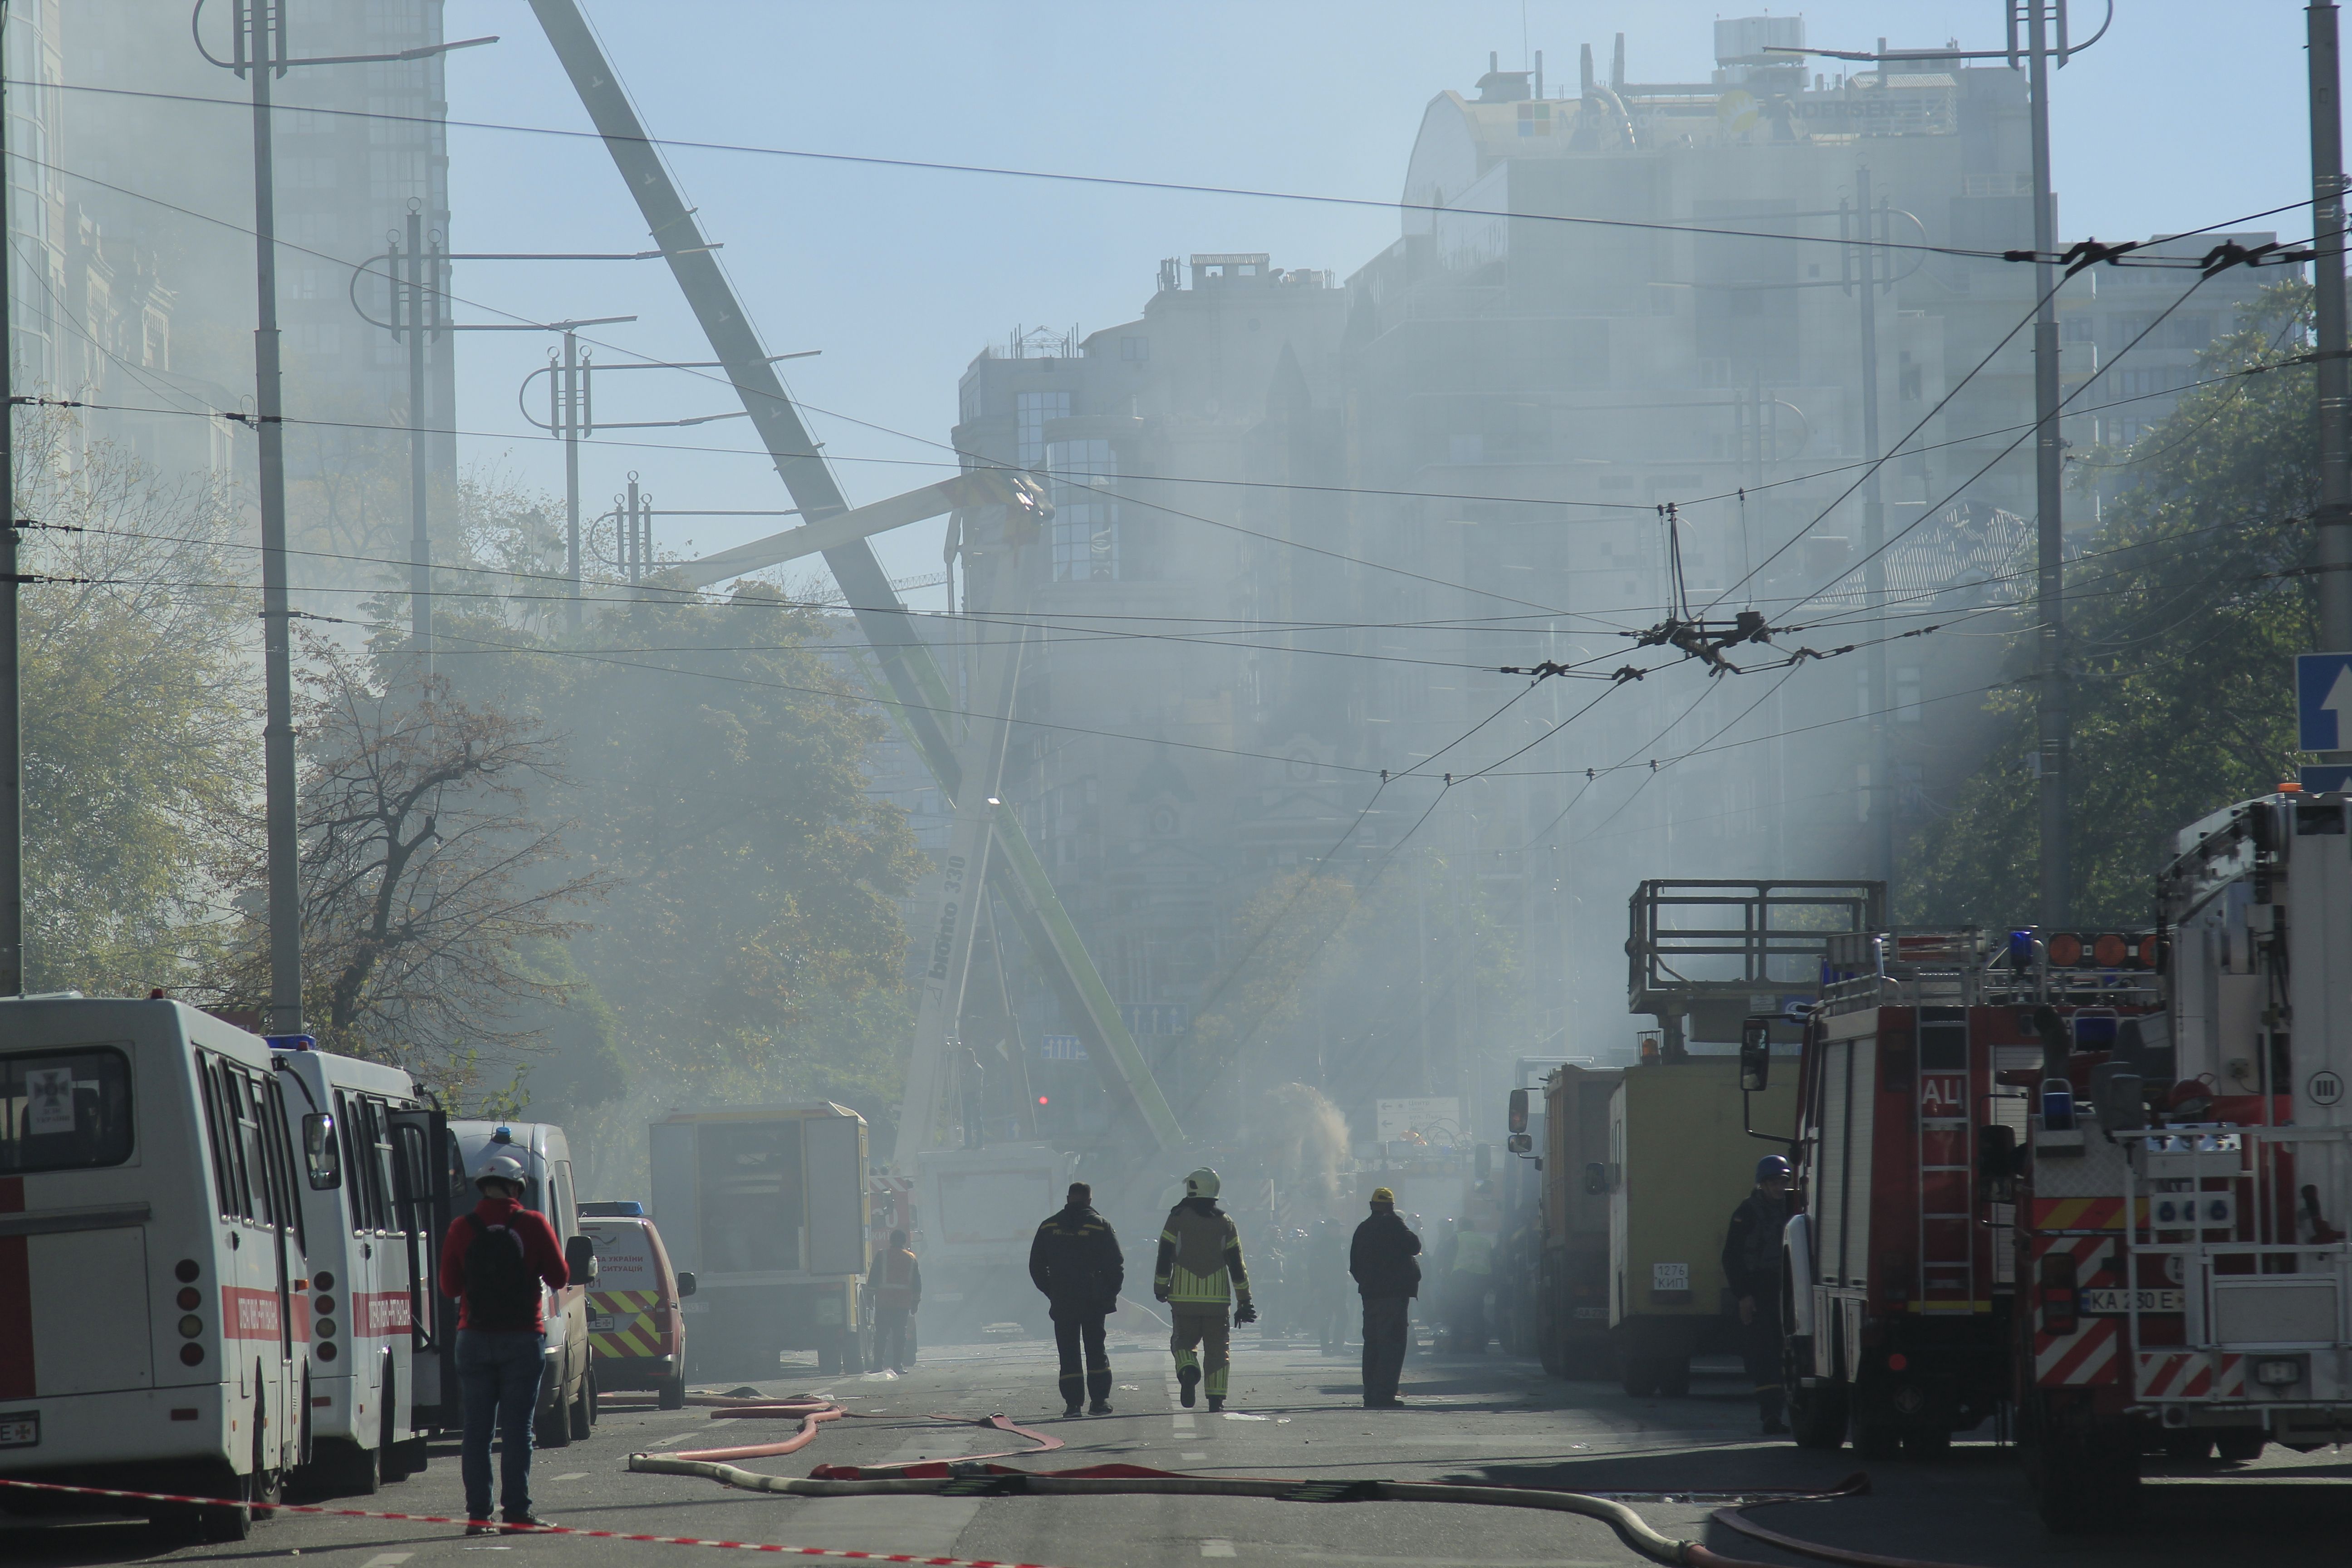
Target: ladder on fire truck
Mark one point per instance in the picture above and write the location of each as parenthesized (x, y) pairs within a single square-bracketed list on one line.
[(988, 840)]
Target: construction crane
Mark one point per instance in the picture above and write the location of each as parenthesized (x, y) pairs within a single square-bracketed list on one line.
[(988, 850)]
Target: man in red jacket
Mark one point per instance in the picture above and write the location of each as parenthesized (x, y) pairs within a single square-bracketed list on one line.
[(493, 1262)]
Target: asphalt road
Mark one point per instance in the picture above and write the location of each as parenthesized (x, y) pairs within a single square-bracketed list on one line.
[(1295, 1414)]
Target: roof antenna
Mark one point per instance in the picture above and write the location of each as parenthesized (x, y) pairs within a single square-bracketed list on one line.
[(1617, 67)]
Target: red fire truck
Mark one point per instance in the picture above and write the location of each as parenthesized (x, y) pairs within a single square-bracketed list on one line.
[(2186, 1198), (1918, 1068)]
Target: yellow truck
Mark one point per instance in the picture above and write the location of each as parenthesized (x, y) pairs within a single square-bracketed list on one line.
[(1680, 1159)]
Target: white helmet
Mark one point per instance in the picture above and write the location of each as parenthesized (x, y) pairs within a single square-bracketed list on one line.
[(1201, 1183), (502, 1167)]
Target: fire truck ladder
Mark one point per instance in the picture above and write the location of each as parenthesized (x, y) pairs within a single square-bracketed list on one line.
[(1948, 1274), (919, 695)]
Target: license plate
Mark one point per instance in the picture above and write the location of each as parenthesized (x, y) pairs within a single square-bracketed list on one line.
[(20, 1429), (2109, 1302), (602, 1325)]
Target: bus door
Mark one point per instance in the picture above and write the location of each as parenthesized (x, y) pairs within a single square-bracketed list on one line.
[(421, 1196)]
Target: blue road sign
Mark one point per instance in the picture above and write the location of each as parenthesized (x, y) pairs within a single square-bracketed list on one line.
[(2323, 778), (2323, 702)]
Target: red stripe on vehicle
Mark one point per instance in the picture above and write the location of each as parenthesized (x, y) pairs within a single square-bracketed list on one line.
[(248, 1314), (2098, 1335), (16, 1299)]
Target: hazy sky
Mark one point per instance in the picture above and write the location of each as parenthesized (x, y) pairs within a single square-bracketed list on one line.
[(2181, 116)]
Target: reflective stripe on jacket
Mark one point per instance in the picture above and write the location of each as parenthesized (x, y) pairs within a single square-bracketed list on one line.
[(1201, 1256)]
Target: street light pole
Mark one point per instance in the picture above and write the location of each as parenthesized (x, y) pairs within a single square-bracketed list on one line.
[(257, 51), (12, 761), (2334, 522), (418, 314), (1874, 541), (2049, 580)]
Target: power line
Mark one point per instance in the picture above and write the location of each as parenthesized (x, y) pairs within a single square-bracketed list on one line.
[(1175, 187)]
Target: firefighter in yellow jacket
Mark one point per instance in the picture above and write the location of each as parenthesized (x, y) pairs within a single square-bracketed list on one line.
[(1199, 1274)]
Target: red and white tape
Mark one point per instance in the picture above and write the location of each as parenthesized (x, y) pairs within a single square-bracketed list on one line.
[(527, 1529)]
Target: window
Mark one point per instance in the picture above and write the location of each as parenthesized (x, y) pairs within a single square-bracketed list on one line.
[(1030, 412), (1137, 349), (64, 1110), (1086, 516)]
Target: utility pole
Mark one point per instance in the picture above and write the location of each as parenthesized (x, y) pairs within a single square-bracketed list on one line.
[(2049, 590), (569, 411), (1874, 541), (12, 732), (2334, 523), (418, 317), (257, 51), (267, 27)]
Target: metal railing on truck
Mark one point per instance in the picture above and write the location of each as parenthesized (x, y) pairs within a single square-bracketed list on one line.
[(1961, 967), (1705, 956)]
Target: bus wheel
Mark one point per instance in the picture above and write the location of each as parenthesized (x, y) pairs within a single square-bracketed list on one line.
[(671, 1396)]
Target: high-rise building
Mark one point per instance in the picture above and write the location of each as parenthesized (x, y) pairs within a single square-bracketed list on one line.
[(145, 162), (1313, 537)]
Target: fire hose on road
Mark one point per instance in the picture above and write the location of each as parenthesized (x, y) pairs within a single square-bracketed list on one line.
[(969, 1478)]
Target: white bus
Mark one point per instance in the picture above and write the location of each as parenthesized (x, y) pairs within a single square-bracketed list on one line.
[(155, 1324), (567, 1388), (373, 1164)]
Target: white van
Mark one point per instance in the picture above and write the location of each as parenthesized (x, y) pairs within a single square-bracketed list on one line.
[(567, 1391), (156, 1331), (367, 1145)]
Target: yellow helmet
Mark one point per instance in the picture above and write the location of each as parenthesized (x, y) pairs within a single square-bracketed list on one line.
[(1201, 1183)]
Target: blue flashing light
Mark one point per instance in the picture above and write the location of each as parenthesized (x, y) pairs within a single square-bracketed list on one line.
[(291, 1042), (503, 1136), (2021, 949)]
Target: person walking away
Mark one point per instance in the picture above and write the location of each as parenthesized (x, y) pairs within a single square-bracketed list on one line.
[(1473, 1275), (1199, 1271), (493, 1262), (1326, 1265), (898, 1294), (1751, 1262), (1383, 1260), (1076, 1263)]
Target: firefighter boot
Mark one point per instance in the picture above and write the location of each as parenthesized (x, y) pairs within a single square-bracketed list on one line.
[(1187, 1379), (1768, 1406), (1216, 1402)]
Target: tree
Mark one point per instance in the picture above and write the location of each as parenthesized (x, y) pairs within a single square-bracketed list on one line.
[(139, 713), (427, 880), (2184, 611)]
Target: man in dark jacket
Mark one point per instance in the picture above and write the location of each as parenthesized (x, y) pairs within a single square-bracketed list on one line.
[(1381, 1258), (1075, 1261), (493, 1262), (1751, 1263)]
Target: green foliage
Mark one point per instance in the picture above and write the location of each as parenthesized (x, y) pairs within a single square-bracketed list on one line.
[(2183, 618), (141, 728), (752, 943)]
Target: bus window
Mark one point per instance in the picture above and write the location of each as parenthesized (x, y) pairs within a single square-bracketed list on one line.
[(234, 1121), (208, 1094), (379, 1172), (281, 1160), (64, 1110)]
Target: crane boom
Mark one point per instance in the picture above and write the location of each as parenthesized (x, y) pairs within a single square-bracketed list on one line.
[(918, 693)]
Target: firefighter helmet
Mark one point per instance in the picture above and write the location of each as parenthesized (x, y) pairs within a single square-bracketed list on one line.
[(502, 1167), (1771, 1165), (1201, 1183)]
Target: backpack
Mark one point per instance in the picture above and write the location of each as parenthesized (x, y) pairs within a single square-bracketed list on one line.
[(501, 1289)]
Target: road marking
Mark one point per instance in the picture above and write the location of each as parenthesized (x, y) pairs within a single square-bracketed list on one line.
[(574, 1476), (1182, 1423), (387, 1559), (1213, 1548), (1189, 1459)]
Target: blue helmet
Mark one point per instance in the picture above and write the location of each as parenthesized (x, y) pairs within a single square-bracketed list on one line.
[(1771, 1165)]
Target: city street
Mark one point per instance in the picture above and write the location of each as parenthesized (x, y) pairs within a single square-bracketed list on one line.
[(1294, 1414)]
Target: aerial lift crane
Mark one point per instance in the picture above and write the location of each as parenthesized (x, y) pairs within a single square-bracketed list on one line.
[(987, 847)]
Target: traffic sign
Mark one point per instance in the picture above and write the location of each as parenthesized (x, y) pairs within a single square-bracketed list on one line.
[(2323, 702), (2323, 778)]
